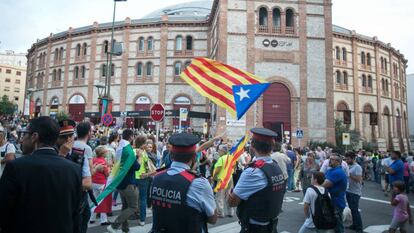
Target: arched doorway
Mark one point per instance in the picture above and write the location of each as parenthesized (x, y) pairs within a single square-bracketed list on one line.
[(77, 108), (399, 130), (276, 109), (38, 107), (143, 103), (181, 102), (368, 130), (386, 122), (54, 107), (343, 113)]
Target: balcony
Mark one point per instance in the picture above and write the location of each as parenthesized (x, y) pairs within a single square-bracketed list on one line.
[(263, 29), (276, 30), (290, 30)]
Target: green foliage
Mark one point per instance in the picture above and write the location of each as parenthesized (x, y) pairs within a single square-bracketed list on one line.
[(369, 146), (62, 116), (6, 106), (340, 128)]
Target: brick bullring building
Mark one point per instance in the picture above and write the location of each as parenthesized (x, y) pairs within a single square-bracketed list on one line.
[(319, 72)]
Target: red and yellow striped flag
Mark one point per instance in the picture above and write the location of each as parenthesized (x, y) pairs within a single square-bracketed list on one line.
[(230, 88), (231, 161)]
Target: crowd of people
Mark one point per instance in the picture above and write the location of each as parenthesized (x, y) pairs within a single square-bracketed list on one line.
[(65, 166)]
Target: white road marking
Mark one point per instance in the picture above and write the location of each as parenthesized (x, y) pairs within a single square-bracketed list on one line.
[(380, 201), (376, 229)]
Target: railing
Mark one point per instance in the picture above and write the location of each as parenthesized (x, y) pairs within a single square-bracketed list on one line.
[(263, 29), (276, 30), (290, 30)]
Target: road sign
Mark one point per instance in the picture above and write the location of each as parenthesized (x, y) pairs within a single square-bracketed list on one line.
[(157, 112), (299, 133), (107, 119), (346, 139), (183, 114)]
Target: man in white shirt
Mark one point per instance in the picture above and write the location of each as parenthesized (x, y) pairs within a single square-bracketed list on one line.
[(7, 150), (309, 203), (325, 166), (282, 160)]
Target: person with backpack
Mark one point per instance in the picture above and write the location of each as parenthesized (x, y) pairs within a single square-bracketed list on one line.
[(318, 208), (354, 191), (336, 182)]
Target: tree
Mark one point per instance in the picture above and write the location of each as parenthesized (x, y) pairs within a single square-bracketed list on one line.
[(6, 106), (340, 128), (62, 116)]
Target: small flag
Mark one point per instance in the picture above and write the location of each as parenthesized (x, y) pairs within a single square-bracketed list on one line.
[(231, 161), (228, 87)]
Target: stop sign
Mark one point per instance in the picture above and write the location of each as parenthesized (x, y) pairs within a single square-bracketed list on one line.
[(157, 112)]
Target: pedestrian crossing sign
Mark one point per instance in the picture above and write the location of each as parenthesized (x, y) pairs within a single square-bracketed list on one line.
[(299, 133)]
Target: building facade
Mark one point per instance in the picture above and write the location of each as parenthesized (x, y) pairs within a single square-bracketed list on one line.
[(9, 57), (13, 84), (410, 95), (292, 44)]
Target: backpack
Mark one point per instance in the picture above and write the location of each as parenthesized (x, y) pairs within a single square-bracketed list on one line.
[(324, 217)]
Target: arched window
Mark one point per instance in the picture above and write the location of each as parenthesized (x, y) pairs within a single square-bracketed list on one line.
[(387, 85), (179, 43), (382, 64), (76, 72), (139, 69), (177, 68), (383, 84), (290, 18), (189, 43), (103, 70), (150, 44), (112, 69), (187, 63), (78, 50), (61, 54), (362, 58), (385, 65), (364, 80), (83, 72), (59, 74), (368, 59), (56, 55), (344, 54), (141, 44), (148, 67), (337, 53), (276, 18), (345, 74), (263, 17), (85, 49), (106, 46), (338, 77), (54, 75), (369, 81)]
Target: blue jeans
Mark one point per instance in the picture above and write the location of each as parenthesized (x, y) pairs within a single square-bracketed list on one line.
[(338, 215), (143, 193), (353, 203), (291, 180)]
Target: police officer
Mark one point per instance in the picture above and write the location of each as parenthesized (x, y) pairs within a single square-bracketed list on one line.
[(258, 194), (64, 146), (182, 201)]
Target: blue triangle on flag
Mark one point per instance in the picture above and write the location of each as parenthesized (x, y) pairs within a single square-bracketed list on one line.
[(246, 95)]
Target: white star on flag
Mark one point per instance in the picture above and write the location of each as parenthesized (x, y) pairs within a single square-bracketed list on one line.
[(243, 94)]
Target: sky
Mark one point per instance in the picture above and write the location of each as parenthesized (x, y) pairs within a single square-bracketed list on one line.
[(24, 21)]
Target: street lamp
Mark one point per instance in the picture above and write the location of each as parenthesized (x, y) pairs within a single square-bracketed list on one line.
[(29, 95), (101, 89)]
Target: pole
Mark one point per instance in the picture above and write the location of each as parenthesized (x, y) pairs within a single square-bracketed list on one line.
[(109, 66), (157, 128)]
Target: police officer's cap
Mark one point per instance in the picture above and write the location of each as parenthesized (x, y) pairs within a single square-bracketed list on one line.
[(67, 127), (263, 134), (183, 143)]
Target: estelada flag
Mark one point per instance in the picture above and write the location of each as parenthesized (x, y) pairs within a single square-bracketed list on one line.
[(230, 162), (228, 87)]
